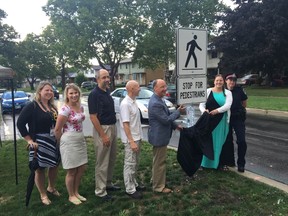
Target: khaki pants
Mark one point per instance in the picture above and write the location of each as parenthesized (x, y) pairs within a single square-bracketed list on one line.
[(105, 159), (131, 161), (159, 168)]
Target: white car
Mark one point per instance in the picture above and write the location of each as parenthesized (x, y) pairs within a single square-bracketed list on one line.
[(142, 100)]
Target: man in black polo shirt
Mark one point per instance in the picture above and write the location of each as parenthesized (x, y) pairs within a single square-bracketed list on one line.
[(237, 120), (103, 118)]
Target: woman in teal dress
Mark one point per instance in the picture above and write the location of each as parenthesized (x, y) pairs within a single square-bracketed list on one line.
[(218, 105)]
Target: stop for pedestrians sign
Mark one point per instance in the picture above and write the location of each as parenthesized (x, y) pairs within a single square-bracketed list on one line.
[(191, 90)]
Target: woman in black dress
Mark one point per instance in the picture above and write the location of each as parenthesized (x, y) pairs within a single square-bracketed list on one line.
[(41, 115)]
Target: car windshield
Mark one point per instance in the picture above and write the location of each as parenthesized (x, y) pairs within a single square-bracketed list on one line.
[(8, 95), (144, 94)]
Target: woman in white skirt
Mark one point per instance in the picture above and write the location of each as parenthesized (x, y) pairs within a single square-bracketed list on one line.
[(73, 149)]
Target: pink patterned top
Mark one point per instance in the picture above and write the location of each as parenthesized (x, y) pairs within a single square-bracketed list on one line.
[(75, 119)]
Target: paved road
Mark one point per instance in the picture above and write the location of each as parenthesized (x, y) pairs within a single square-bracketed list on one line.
[(267, 140)]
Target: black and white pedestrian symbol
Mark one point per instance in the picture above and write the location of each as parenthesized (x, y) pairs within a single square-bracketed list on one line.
[(191, 51), (191, 45)]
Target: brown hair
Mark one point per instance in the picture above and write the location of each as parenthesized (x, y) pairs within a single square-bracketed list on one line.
[(223, 87)]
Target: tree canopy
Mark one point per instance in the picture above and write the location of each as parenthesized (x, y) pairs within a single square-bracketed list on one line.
[(254, 37), (8, 35), (35, 59), (158, 44), (105, 30), (113, 30)]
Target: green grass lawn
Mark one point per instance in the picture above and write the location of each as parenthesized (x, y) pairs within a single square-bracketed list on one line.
[(267, 98), (209, 192)]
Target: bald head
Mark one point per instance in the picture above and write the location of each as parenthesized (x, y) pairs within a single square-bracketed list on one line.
[(160, 87), (133, 88)]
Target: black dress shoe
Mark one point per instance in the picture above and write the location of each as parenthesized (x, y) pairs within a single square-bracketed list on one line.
[(140, 188), (113, 188), (241, 169), (135, 195), (107, 198)]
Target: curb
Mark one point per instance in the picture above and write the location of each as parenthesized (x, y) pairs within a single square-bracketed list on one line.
[(259, 178), (268, 113)]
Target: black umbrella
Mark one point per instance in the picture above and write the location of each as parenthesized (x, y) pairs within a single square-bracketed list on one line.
[(33, 165)]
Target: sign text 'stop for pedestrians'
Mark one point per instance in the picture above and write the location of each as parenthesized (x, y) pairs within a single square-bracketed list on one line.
[(191, 51), (191, 90)]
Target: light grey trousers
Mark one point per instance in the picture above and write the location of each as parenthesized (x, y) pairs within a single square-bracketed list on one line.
[(131, 161)]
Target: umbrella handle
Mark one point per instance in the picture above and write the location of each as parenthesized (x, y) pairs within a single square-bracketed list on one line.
[(35, 150)]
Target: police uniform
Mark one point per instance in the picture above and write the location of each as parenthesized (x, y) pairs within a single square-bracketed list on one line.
[(237, 123)]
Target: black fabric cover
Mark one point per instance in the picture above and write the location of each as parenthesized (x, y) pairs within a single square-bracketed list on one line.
[(193, 143)]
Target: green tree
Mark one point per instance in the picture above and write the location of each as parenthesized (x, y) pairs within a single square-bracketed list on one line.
[(80, 78), (8, 35), (158, 45), (64, 49), (254, 38), (105, 30), (36, 59)]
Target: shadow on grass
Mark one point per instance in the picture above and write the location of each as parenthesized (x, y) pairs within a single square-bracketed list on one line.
[(209, 192)]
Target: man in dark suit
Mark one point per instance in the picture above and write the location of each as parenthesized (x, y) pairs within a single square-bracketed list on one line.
[(159, 133)]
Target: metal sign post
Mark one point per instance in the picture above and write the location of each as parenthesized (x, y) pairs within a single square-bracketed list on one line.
[(8, 74)]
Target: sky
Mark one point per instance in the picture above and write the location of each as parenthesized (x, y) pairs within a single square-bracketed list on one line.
[(26, 16)]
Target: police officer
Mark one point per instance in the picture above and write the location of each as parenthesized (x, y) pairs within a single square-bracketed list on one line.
[(237, 120)]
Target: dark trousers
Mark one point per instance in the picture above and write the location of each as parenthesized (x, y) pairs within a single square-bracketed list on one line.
[(227, 154), (238, 125)]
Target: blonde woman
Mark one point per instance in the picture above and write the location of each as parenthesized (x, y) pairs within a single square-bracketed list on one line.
[(41, 115), (73, 149)]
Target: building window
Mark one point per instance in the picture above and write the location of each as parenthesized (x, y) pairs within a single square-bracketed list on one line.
[(126, 66)]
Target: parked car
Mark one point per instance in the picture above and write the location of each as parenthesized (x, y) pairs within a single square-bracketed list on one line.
[(171, 93), (20, 100), (56, 92), (150, 85), (88, 85), (248, 79), (142, 100), (2, 90)]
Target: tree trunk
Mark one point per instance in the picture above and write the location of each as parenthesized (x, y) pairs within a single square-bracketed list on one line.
[(63, 75), (31, 85)]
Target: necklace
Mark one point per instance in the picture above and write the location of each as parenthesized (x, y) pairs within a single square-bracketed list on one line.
[(51, 112), (44, 107)]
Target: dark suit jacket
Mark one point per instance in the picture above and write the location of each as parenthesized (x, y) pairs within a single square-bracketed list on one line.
[(160, 122)]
